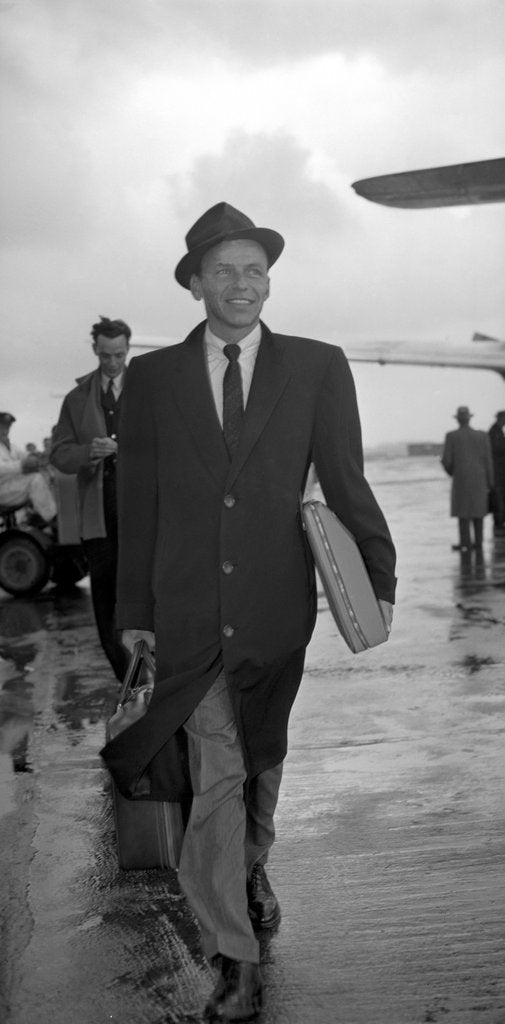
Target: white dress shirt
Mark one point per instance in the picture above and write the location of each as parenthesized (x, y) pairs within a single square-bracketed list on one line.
[(217, 363), (11, 460), (117, 383)]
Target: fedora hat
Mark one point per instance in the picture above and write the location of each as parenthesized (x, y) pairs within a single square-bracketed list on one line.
[(223, 223), (462, 410)]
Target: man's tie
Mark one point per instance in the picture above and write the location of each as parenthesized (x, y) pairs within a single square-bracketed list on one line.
[(109, 396), (233, 401)]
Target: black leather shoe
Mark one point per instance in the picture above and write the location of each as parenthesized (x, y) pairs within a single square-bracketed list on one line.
[(238, 993), (263, 907)]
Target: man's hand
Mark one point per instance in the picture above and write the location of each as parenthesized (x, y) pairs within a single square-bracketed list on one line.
[(387, 613), (101, 448), (130, 637)]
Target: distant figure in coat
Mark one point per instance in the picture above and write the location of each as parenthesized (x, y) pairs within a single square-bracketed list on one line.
[(217, 436), (85, 442), (497, 440), (467, 459)]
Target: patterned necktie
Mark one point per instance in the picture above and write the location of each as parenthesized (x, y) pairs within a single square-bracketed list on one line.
[(233, 401)]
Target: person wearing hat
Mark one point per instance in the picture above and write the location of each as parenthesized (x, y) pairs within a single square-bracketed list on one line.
[(497, 440), (466, 458), (85, 442), (21, 481), (215, 573)]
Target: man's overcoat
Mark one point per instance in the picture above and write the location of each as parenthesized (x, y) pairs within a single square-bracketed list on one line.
[(82, 419), (213, 556), (467, 459), (497, 442)]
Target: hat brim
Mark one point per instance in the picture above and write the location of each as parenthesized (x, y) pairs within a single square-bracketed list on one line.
[(271, 241)]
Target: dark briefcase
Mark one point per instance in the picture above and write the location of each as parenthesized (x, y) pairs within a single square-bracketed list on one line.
[(149, 833), (345, 579)]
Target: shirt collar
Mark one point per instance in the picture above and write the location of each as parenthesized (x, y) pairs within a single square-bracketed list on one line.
[(250, 341), (117, 382)]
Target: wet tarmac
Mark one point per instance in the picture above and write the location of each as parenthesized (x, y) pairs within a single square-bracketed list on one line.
[(390, 855)]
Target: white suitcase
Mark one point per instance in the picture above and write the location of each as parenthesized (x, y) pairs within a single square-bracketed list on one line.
[(344, 577)]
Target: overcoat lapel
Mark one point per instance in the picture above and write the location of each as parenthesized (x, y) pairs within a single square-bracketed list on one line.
[(193, 394), (271, 375), (93, 418)]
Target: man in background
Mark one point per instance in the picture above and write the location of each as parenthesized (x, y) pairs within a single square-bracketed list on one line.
[(467, 459), (85, 441), (498, 451), (21, 479)]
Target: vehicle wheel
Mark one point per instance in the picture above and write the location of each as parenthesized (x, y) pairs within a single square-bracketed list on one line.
[(24, 568)]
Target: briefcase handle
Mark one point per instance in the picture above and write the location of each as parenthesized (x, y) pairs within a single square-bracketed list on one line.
[(140, 654)]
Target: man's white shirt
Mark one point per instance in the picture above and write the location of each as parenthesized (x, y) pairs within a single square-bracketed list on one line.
[(217, 363), (117, 383)]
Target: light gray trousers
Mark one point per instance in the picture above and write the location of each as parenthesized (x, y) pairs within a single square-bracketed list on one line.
[(224, 838)]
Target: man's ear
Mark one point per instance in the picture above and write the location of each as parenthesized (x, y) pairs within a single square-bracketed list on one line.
[(195, 287), (268, 289)]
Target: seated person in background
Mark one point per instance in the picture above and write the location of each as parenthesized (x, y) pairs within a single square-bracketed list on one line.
[(21, 479)]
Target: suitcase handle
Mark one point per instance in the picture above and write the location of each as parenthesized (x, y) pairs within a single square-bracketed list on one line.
[(140, 653)]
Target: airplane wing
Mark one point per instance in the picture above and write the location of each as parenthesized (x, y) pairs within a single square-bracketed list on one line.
[(460, 184), (151, 341), (488, 355)]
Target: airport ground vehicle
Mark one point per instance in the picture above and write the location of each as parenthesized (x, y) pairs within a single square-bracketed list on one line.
[(31, 556)]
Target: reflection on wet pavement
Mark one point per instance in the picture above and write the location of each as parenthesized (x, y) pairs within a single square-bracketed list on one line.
[(20, 629), (481, 579), (389, 855)]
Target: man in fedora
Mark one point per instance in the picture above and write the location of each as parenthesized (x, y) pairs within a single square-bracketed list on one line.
[(467, 459), (214, 571)]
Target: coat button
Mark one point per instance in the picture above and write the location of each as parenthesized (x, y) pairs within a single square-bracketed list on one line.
[(228, 631), (229, 500), (227, 568)]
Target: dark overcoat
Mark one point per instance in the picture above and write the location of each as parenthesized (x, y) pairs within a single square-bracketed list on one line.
[(213, 556), (497, 441), (467, 459)]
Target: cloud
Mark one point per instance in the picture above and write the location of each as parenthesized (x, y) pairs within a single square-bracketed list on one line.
[(405, 34), (176, 34), (125, 119), (268, 174)]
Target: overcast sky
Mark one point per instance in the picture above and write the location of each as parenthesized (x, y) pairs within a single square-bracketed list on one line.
[(123, 120)]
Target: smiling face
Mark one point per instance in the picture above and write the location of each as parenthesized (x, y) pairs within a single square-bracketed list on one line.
[(233, 283)]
